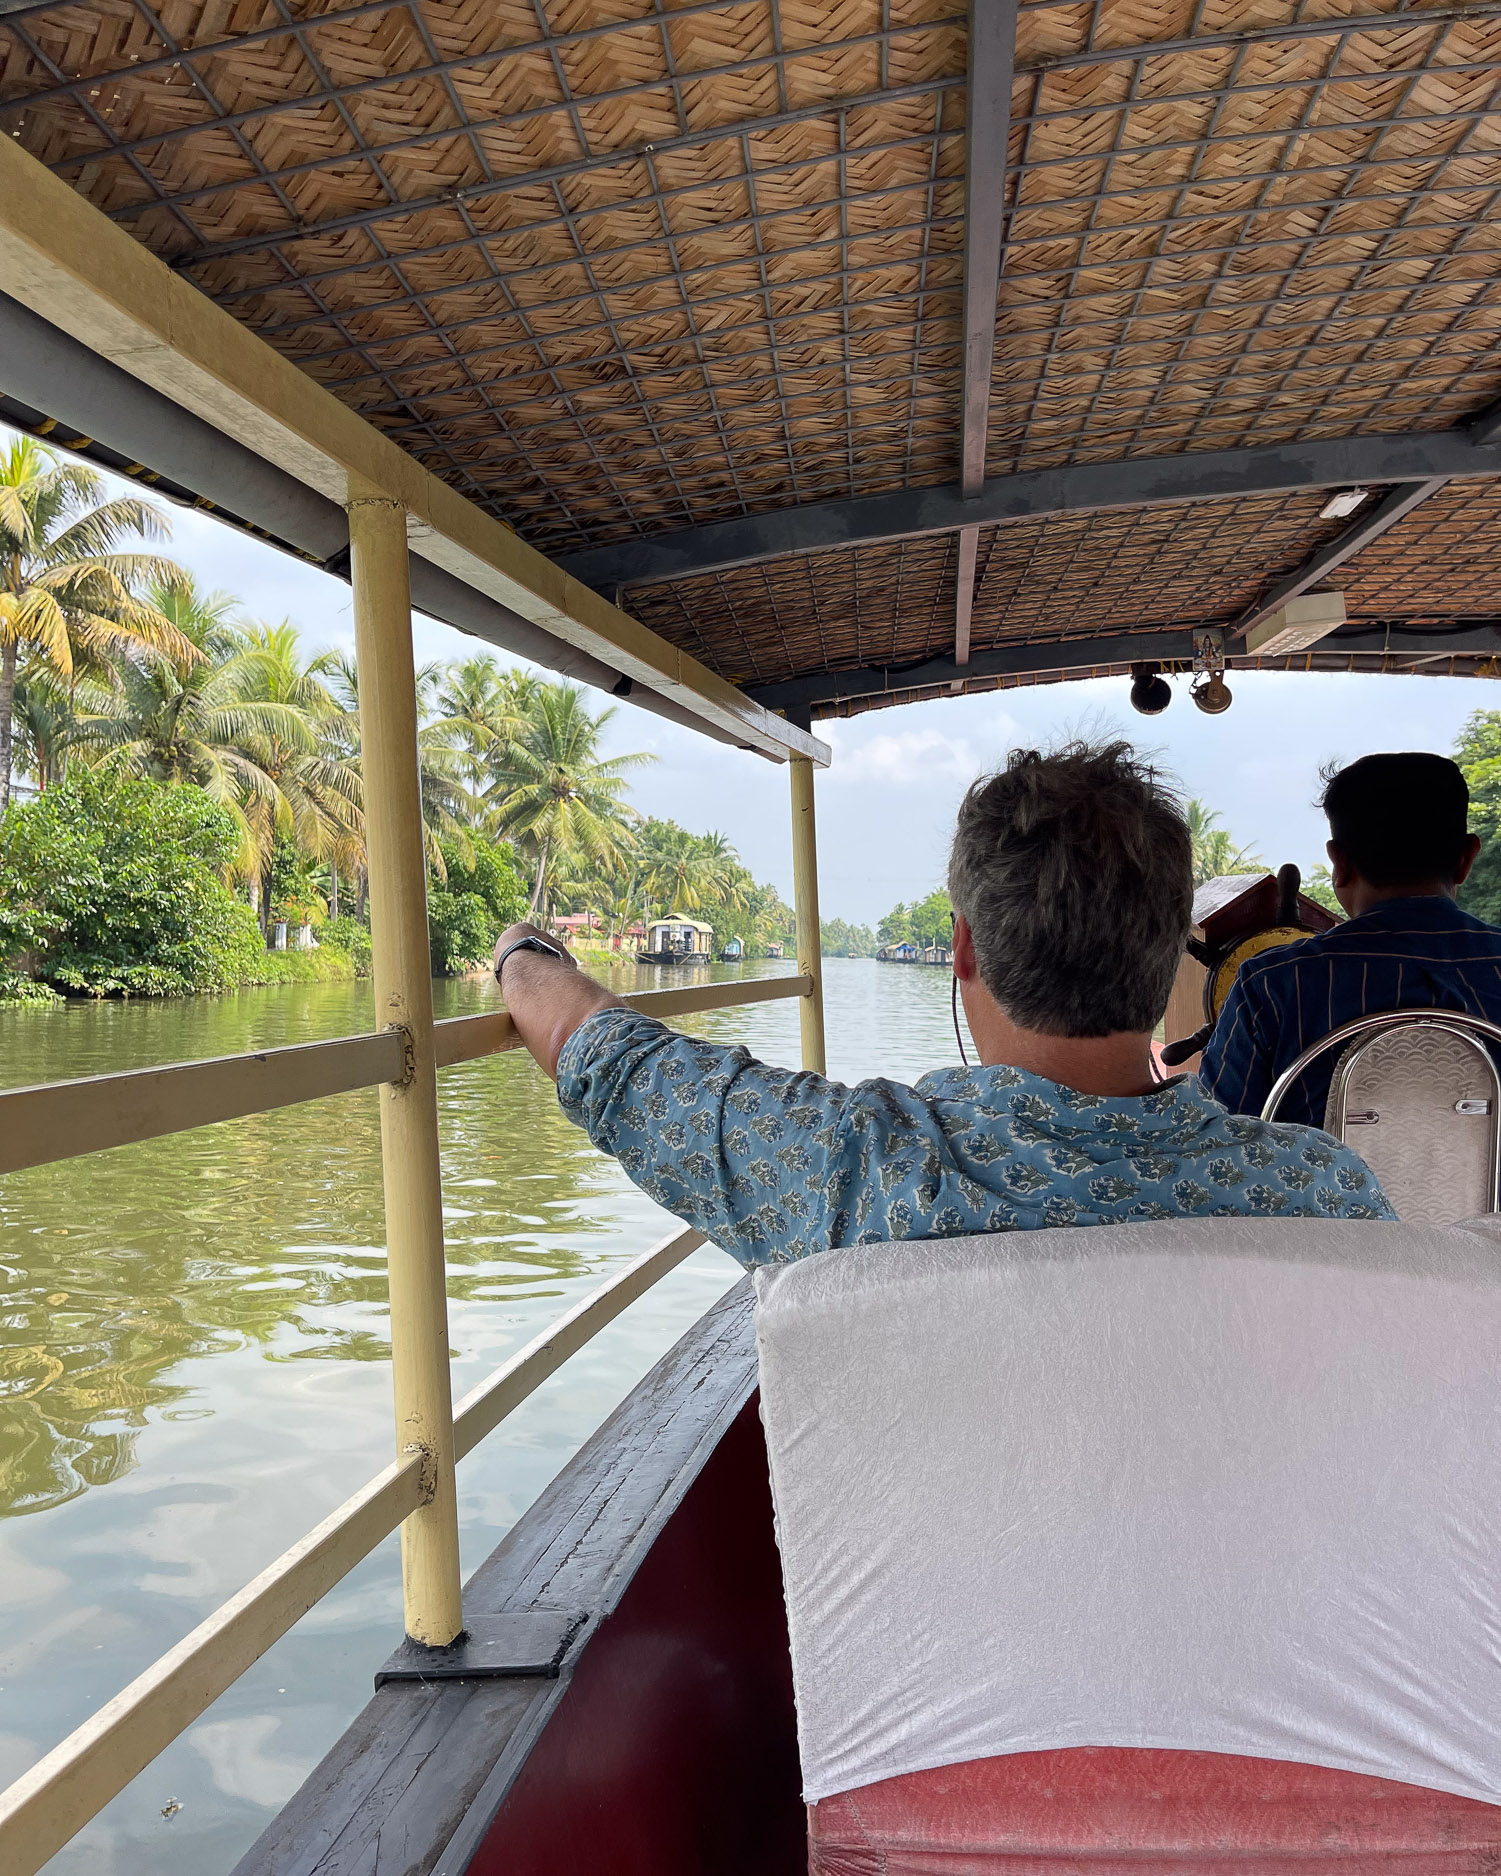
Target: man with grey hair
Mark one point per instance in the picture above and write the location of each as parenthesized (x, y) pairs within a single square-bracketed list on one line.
[(1072, 887)]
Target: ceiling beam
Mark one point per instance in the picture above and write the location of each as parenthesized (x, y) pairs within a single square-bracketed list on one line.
[(1486, 428), (964, 592), (69, 263), (1079, 657), (1345, 546), (992, 50), (1080, 488), (987, 138)]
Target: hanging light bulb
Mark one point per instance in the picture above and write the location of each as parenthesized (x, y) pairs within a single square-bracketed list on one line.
[(1150, 694), (1211, 694)]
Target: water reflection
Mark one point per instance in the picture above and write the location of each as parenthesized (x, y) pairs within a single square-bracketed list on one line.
[(196, 1328)]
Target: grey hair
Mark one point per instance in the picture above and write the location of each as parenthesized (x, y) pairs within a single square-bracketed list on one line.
[(1074, 871)]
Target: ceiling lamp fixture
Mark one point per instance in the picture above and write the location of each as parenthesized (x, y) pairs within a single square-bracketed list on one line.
[(1150, 695), (1296, 626), (1343, 502)]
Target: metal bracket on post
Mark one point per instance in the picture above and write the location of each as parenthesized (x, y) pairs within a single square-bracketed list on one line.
[(408, 1054), (527, 1643), (427, 1470)]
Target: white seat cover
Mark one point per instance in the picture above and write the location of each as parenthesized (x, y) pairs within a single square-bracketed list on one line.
[(1220, 1485)]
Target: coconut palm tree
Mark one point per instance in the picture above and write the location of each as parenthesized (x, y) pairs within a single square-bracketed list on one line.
[(50, 721), (68, 594), (448, 807), (554, 794), (683, 870), (204, 716), (479, 708), (1214, 850), (302, 745)]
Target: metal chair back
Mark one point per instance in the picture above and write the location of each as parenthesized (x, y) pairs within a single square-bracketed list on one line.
[(1417, 1094)]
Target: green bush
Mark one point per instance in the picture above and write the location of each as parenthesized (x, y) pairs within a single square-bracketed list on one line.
[(347, 935), (326, 965), (1479, 755), (14, 988), (467, 911), (461, 931), (114, 886)]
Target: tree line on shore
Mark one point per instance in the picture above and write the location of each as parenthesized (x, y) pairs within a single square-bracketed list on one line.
[(1216, 852), (192, 779)]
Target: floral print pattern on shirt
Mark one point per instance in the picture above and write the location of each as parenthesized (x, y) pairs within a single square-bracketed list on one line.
[(775, 1164)]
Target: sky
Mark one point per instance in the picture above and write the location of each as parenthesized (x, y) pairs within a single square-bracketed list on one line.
[(886, 805)]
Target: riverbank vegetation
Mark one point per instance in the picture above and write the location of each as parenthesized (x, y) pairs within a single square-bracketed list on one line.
[(190, 796)]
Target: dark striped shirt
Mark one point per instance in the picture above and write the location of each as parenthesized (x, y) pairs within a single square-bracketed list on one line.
[(1404, 954)]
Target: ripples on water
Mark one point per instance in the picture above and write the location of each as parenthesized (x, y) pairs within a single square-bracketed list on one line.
[(193, 1342)]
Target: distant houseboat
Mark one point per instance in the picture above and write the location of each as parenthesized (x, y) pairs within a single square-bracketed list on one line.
[(897, 954), (774, 949), (677, 941), (733, 952), (938, 954)]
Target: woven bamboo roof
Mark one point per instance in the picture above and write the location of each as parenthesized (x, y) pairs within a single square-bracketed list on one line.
[(618, 268)]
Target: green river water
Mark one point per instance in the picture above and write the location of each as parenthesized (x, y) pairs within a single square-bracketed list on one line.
[(193, 1364)]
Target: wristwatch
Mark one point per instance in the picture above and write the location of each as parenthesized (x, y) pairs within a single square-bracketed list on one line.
[(528, 944)]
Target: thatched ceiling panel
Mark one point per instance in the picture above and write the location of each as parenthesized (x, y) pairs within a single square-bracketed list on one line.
[(616, 267)]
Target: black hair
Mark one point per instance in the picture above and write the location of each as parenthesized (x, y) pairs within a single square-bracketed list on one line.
[(1402, 820)]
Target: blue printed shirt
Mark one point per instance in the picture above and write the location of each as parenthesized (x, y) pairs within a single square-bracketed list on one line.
[(774, 1165), (1404, 954)]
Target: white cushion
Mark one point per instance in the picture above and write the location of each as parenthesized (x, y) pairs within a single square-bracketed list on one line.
[(1220, 1485)]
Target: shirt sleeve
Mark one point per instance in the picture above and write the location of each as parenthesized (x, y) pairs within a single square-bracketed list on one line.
[(1236, 1067), (761, 1160)]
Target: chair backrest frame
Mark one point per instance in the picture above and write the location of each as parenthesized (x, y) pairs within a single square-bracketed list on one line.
[(1474, 1031)]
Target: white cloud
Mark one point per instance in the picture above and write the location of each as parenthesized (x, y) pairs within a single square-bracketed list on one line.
[(904, 758), (239, 1763)]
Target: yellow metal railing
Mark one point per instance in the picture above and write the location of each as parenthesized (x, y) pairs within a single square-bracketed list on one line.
[(58, 1120), (66, 1119)]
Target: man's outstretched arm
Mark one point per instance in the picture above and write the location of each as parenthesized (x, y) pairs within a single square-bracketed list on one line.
[(762, 1160), (547, 998)]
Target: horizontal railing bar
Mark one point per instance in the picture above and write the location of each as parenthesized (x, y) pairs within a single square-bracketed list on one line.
[(484, 1407), (57, 1120), (468, 1038), (55, 1799), (63, 1119)]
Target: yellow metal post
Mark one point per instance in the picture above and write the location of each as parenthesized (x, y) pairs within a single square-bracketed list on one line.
[(409, 1109), (805, 902)]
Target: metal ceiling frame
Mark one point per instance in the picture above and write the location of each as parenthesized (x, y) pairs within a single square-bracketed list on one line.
[(661, 198), (1407, 13), (1080, 488), (800, 698), (69, 264), (1345, 546), (987, 141), (552, 43)]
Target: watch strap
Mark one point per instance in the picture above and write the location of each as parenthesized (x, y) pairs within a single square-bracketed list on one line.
[(529, 943)]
